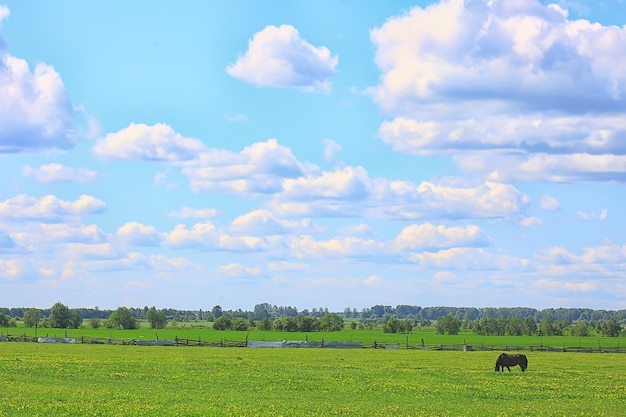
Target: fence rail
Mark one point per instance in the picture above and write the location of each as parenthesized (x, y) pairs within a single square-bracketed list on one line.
[(311, 344)]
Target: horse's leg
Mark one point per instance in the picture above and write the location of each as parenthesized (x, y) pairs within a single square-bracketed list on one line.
[(507, 368)]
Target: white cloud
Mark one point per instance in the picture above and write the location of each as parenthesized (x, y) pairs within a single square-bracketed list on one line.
[(202, 235), (454, 51), (49, 208), (544, 167), (305, 246), (549, 203), (35, 111), (133, 261), (372, 280), (259, 168), (148, 143), (56, 173), (568, 286), (262, 222), (281, 266), (530, 132), (597, 262), (191, 213), (513, 90), (60, 232), (351, 192), (206, 236), (279, 57), (139, 234), (470, 259), (593, 216), (331, 150), (12, 268), (238, 270), (428, 236), (237, 118), (445, 277), (530, 221)]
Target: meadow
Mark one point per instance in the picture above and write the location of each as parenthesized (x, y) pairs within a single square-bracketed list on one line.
[(103, 380), (203, 331)]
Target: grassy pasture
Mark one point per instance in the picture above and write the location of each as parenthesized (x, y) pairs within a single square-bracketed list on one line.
[(205, 333), (102, 380)]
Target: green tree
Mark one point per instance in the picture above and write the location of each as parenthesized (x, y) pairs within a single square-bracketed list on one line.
[(122, 318), (448, 324), (75, 320), (530, 326), (611, 328), (223, 323), (95, 322), (331, 322), (546, 328), (406, 326), (217, 312), (265, 325), (306, 323), (32, 317), (580, 329), (156, 318), (240, 324), (286, 323), (59, 317), (4, 320), (392, 326)]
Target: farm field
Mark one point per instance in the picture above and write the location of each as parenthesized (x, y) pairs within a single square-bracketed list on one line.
[(101, 380), (368, 337)]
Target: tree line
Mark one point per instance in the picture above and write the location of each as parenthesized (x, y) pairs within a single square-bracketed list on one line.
[(399, 319)]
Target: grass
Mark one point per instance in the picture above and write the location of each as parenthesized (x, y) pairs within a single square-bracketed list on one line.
[(102, 380), (368, 337)]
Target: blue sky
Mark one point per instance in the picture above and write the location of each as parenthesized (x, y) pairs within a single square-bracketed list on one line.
[(313, 154)]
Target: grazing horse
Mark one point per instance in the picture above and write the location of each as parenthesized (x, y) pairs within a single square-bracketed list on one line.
[(505, 360)]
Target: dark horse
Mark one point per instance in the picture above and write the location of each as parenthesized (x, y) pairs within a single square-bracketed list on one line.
[(505, 360)]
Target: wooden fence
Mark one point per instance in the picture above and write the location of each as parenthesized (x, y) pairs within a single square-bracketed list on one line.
[(322, 344)]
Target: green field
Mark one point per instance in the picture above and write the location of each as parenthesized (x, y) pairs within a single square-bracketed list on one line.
[(205, 333), (102, 380)]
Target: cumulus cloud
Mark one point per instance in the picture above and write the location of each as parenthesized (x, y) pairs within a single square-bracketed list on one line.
[(597, 262), (49, 208), (259, 168), (466, 258), (35, 111), (513, 90), (304, 189), (238, 270), (57, 173), (139, 234), (89, 234), (206, 236), (530, 221), (148, 143), (428, 236), (549, 203), (263, 222), (279, 57), (351, 192), (331, 149), (456, 50)]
